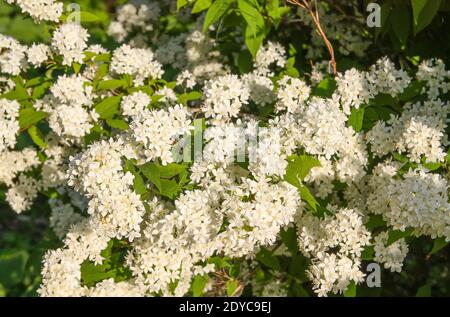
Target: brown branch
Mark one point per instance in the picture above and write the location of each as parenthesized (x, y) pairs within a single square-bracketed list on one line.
[(314, 13)]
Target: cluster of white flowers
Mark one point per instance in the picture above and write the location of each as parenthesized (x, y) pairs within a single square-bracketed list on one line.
[(356, 88), (137, 16), (69, 106), (224, 97), (419, 200), (392, 255), (334, 245), (137, 62), (237, 197), (436, 77), (38, 54), (40, 10), (70, 41), (12, 56), (418, 132), (9, 124)]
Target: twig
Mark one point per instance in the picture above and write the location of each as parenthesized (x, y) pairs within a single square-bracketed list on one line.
[(314, 13)]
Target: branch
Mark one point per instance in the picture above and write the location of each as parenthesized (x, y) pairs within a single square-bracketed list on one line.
[(314, 13)]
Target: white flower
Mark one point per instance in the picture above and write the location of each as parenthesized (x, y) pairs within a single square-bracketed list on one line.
[(69, 40), (137, 62), (9, 124), (38, 54), (12, 56), (41, 10)]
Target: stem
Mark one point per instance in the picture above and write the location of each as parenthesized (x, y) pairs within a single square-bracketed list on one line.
[(314, 13)]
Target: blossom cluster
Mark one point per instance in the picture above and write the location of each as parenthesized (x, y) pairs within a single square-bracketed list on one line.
[(274, 154)]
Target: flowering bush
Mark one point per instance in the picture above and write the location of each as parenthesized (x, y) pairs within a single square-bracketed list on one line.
[(188, 148)]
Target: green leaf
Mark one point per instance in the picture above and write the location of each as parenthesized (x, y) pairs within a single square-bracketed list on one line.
[(414, 89), (86, 16), (36, 136), (217, 9), (395, 235), (232, 286), (151, 171), (268, 259), (289, 238), (254, 19), (298, 167), (170, 188), (356, 119), (199, 284), (29, 117), (253, 41), (424, 291), (201, 5), (367, 253), (245, 62), (108, 107), (439, 244), (375, 221), (170, 170), (138, 184), (111, 84), (424, 12), (351, 290), (306, 195), (117, 124), (325, 88), (181, 4), (401, 22), (12, 266)]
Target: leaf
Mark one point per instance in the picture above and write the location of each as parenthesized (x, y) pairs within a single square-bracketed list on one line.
[(401, 22), (367, 253), (356, 119), (254, 19), (217, 9), (414, 89), (253, 41), (424, 12), (138, 184), (151, 171), (395, 235), (245, 62), (298, 266), (193, 95), (111, 84), (12, 266), (170, 170), (289, 238), (325, 88), (86, 16), (201, 5), (375, 221), (199, 284), (439, 244), (29, 117), (298, 167), (169, 188), (424, 291), (36, 136), (268, 259), (117, 124), (351, 290), (273, 9), (306, 195), (232, 286), (181, 4), (108, 107)]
